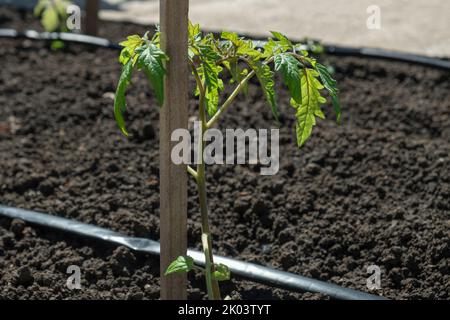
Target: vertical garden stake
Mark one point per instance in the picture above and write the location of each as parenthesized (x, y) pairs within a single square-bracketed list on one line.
[(174, 115), (92, 7)]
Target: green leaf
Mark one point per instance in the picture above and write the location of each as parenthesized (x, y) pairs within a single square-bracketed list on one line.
[(182, 264), (209, 71), (119, 98), (231, 36), (331, 85), (221, 272), (151, 60), (129, 47), (310, 105), (289, 67), (194, 32), (285, 43), (266, 79), (272, 48), (40, 6)]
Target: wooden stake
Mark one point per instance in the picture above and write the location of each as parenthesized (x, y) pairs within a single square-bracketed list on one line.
[(174, 115), (92, 7)]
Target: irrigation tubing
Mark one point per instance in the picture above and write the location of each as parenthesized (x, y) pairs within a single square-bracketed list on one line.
[(250, 271), (329, 49)]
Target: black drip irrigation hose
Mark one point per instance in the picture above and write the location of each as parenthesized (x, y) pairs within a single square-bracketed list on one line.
[(246, 270), (329, 49)]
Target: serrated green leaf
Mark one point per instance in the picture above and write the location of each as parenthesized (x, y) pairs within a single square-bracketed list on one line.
[(309, 108), (209, 71), (129, 47), (331, 85), (230, 36), (289, 67), (119, 98), (283, 40), (271, 48), (266, 79), (221, 272), (182, 264), (247, 48), (151, 60), (194, 32)]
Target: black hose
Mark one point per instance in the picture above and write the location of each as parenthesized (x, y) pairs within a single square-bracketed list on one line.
[(250, 271), (333, 50), (389, 55)]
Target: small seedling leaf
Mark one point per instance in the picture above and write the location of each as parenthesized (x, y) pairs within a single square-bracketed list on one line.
[(221, 273), (182, 264)]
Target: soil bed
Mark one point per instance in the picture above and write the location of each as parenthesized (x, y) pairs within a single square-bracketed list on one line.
[(374, 190)]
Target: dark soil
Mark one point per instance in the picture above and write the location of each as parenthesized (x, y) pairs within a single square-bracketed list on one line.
[(374, 190)]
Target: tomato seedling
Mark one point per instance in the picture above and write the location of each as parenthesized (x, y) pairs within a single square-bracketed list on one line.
[(208, 57)]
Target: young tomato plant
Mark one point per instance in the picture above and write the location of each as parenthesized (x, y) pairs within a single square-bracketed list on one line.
[(208, 56)]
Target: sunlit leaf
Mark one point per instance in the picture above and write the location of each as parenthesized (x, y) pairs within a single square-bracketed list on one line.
[(289, 67), (151, 60), (182, 264)]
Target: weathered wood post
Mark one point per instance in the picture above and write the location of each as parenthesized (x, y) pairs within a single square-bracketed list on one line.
[(174, 115), (91, 25)]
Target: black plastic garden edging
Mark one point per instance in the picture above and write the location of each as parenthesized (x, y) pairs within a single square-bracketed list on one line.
[(329, 49), (250, 271)]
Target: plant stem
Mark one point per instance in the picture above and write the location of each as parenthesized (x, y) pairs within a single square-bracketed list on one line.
[(192, 172), (212, 285)]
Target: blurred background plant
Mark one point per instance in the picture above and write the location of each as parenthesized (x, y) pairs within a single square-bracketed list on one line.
[(53, 15)]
